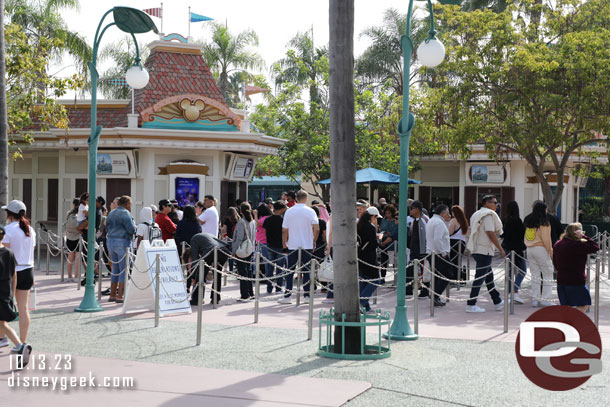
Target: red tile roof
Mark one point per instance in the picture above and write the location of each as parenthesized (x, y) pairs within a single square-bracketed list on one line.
[(108, 118)]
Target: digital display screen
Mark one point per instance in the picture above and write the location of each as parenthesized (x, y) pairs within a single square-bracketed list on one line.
[(187, 191)]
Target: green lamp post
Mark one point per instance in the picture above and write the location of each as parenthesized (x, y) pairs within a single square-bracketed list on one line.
[(131, 21), (431, 52)]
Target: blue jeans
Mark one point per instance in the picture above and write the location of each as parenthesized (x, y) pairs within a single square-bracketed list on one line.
[(483, 264), (292, 260), (367, 288), (118, 249), (276, 258)]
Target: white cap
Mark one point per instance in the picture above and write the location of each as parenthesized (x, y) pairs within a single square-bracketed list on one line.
[(373, 211), (15, 206)]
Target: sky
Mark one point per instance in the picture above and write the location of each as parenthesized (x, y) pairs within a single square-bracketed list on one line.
[(275, 21)]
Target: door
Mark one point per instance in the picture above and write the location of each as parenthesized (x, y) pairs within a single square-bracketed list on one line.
[(52, 199), (116, 187), (27, 195)]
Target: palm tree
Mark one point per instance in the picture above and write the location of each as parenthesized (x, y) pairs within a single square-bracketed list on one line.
[(343, 170), (381, 63), (227, 53), (43, 19), (122, 53), (302, 65)]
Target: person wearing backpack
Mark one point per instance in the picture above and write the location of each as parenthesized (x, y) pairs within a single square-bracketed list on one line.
[(243, 242), (147, 228)]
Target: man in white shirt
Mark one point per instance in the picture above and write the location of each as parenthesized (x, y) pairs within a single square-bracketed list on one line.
[(299, 230), (209, 217), (485, 227), (437, 242)]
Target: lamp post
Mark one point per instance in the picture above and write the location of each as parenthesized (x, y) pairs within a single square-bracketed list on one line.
[(131, 21), (431, 52)]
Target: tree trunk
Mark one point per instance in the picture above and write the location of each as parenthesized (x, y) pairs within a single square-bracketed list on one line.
[(3, 121), (343, 170)]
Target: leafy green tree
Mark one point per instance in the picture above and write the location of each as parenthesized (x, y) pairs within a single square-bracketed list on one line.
[(3, 121), (530, 81), (31, 92), (227, 53), (42, 19)]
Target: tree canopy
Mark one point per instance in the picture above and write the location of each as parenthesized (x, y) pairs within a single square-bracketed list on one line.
[(531, 80)]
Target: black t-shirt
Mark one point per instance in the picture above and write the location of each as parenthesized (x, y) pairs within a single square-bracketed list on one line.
[(322, 225), (7, 273), (273, 230)]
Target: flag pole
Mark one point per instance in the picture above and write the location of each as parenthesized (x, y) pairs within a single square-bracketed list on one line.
[(162, 19), (189, 22)]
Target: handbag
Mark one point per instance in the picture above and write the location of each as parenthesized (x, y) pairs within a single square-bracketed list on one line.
[(325, 272), (246, 247)]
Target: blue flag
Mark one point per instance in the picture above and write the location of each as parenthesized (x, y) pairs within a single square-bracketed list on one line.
[(195, 18)]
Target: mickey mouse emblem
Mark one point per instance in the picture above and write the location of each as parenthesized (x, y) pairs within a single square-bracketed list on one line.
[(192, 111)]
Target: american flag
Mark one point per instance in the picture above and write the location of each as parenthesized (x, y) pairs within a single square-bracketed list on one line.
[(155, 12)]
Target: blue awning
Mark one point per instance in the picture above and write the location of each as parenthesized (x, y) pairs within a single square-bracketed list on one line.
[(375, 176)]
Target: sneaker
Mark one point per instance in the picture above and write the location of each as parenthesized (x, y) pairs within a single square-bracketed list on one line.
[(518, 299), (439, 303), (285, 300), (328, 301), (534, 303), (499, 306), (474, 308), (3, 342), (15, 349), (243, 299), (371, 311), (547, 303), (25, 350)]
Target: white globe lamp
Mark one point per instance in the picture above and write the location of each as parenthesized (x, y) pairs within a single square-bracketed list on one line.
[(137, 77), (431, 52)]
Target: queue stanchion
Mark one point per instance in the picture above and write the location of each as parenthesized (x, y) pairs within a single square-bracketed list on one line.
[(506, 280), (312, 279), (416, 296), (215, 288), (431, 293), (459, 265), (61, 260), (101, 266), (257, 284), (299, 277), (596, 310), (38, 241), (447, 263), (512, 282), (78, 260), (589, 271), (157, 287), (48, 253), (199, 302)]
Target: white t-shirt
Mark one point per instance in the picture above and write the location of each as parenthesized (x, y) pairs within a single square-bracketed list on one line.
[(298, 220), (80, 216), (21, 245), (210, 217)]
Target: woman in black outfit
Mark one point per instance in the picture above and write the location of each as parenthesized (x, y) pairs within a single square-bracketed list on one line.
[(188, 227), (514, 232), (367, 256)]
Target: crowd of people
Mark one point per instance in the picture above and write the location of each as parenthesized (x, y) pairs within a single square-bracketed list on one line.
[(288, 233)]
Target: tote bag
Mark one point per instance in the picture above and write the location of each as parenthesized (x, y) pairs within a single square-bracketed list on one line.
[(325, 272), (246, 248)]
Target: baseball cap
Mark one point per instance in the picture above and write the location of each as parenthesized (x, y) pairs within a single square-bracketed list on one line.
[(154, 208), (361, 202), (269, 200), (373, 211), (15, 206), (101, 200), (164, 202)]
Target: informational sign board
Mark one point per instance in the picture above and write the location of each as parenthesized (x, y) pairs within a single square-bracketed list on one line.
[(241, 168), (187, 190), (482, 173), (173, 297), (111, 164)]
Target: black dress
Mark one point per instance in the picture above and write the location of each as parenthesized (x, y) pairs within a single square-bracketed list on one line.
[(7, 273)]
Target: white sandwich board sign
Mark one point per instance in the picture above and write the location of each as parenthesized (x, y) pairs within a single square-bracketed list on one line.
[(173, 297)]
